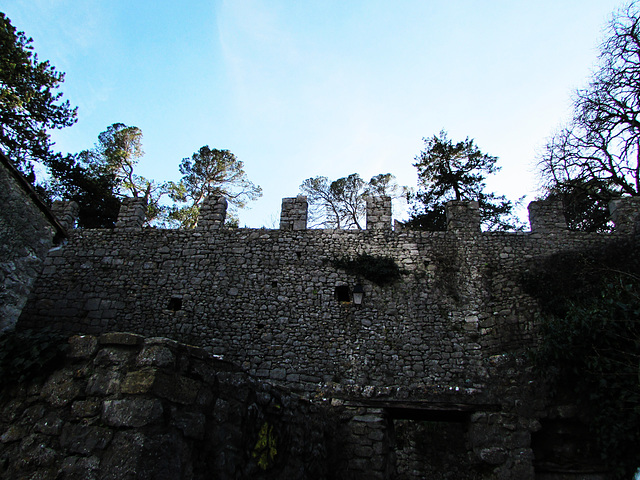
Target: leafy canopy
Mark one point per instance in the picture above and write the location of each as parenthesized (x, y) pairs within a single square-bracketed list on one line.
[(29, 101), (99, 177), (209, 172), (341, 203), (456, 171)]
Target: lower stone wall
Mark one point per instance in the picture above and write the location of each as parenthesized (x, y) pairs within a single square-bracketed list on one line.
[(25, 237), (125, 407), (122, 406)]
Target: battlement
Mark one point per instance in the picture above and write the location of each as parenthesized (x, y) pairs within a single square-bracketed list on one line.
[(545, 216), (443, 335)]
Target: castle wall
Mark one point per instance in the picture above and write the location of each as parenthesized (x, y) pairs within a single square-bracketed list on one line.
[(124, 407), (26, 234), (266, 299), (444, 340)]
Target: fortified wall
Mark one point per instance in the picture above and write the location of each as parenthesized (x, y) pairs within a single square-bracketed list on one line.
[(443, 342), (274, 301), (27, 231)]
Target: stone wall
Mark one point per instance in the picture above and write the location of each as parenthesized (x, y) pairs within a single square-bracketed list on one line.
[(27, 231), (125, 407), (267, 299), (448, 336)]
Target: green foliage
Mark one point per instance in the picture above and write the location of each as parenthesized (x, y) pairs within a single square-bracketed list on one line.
[(591, 342), (209, 172), (99, 177), (341, 203), (29, 354), (448, 171), (265, 450), (29, 103), (379, 270), (585, 203), (74, 177)]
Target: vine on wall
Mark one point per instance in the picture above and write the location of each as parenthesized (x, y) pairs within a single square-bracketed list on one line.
[(591, 341), (379, 270)]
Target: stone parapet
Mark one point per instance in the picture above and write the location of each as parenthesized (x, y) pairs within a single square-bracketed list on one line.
[(547, 216), (625, 214), (66, 212), (463, 217), (213, 213), (293, 214), (378, 213), (132, 214)]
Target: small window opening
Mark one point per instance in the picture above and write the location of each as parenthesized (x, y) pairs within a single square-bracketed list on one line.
[(175, 304), (299, 254), (274, 284), (343, 294)]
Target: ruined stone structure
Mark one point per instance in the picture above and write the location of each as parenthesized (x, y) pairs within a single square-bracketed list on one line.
[(125, 407), (440, 351), (27, 231)]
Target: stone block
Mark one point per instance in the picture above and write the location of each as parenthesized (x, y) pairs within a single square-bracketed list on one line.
[(82, 346), (104, 383), (139, 381), (131, 412), (50, 424), (80, 468), (156, 355), (84, 439), (191, 424), (60, 388), (120, 338), (86, 408)]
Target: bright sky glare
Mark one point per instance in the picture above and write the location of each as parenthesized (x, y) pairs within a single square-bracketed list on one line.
[(303, 88)]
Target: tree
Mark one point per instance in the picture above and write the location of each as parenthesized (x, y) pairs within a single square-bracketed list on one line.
[(448, 171), (597, 155), (341, 203), (210, 172), (585, 203), (75, 177), (29, 101), (98, 178), (118, 151)]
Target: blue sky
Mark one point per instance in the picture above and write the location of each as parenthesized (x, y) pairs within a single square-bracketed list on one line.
[(303, 88)]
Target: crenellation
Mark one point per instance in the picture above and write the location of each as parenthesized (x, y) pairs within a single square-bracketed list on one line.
[(66, 212), (293, 214), (547, 216), (378, 213), (213, 213), (132, 214), (448, 338), (625, 214), (463, 217)]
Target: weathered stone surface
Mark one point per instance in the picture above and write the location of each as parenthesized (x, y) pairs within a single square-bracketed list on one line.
[(156, 356), (82, 346), (274, 303), (84, 439), (192, 424), (60, 388), (131, 412), (139, 381), (26, 234), (105, 382), (115, 338), (80, 468), (50, 424)]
